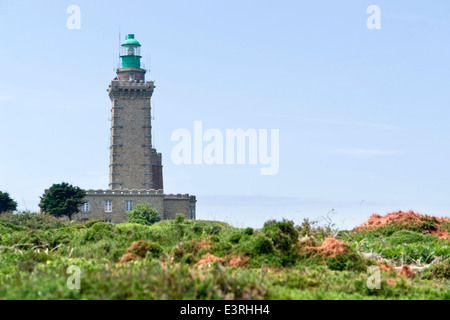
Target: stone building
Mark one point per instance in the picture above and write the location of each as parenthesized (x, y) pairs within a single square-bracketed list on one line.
[(136, 171)]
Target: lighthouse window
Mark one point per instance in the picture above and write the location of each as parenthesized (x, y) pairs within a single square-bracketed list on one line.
[(131, 51), (128, 205), (85, 207), (108, 206)]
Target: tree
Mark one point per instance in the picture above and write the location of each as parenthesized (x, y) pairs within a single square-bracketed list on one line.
[(6, 203), (62, 200), (143, 213)]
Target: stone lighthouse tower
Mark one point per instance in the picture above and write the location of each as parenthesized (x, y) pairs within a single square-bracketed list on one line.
[(135, 171), (134, 163)]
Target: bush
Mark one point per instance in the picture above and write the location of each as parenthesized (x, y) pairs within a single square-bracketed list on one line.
[(154, 250), (348, 260), (235, 237), (6, 227), (90, 223), (99, 231), (440, 270), (178, 252), (283, 234), (143, 213), (179, 218), (249, 231), (179, 225), (141, 222), (34, 221), (197, 228), (141, 248), (260, 245), (407, 236)]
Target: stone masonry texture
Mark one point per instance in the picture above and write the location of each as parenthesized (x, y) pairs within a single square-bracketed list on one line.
[(136, 174)]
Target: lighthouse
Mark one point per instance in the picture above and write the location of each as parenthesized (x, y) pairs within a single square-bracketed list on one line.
[(135, 170), (134, 163)]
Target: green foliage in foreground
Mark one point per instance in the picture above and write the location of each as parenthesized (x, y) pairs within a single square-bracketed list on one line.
[(399, 246), (165, 262)]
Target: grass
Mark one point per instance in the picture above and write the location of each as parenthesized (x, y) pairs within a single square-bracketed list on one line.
[(167, 260)]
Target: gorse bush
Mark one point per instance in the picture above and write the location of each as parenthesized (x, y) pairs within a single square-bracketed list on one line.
[(179, 225), (260, 245), (90, 223), (34, 221), (283, 234), (99, 231), (439, 270), (235, 237), (141, 248), (249, 231), (348, 260)]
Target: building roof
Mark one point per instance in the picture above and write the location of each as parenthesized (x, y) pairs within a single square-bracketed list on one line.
[(131, 41)]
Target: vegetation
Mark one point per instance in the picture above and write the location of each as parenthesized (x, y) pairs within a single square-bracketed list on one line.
[(62, 200), (143, 213), (183, 259), (6, 203)]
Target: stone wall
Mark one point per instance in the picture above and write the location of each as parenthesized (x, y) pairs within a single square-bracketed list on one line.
[(135, 74), (166, 205), (134, 163)]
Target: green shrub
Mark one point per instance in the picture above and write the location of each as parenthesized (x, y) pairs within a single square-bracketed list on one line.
[(215, 230), (215, 238), (179, 225), (100, 230), (179, 251), (407, 236), (446, 225), (221, 248), (34, 221), (143, 213), (179, 218), (439, 270), (90, 223), (197, 228), (283, 234), (348, 260), (249, 231), (235, 237), (30, 273), (6, 227), (154, 249), (141, 222), (260, 245)]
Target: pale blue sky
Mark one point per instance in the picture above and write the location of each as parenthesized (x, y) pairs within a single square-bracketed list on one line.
[(363, 114)]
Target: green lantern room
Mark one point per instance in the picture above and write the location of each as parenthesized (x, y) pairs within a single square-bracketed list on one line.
[(131, 53)]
